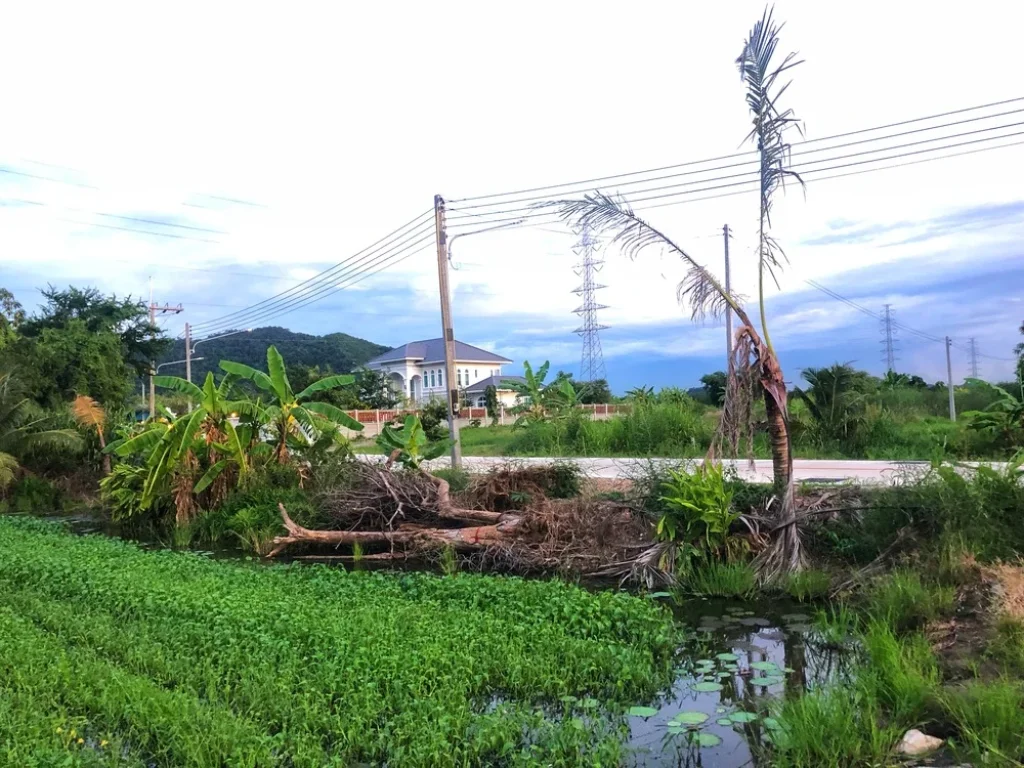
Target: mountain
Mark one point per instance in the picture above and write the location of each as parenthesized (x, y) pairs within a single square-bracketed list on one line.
[(338, 351)]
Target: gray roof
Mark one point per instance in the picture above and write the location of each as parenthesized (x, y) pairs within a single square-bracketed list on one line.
[(497, 381), (432, 350)]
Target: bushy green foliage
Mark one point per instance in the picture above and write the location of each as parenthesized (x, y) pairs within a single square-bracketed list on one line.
[(190, 661), (697, 508), (808, 584), (411, 445), (434, 418), (35, 495)]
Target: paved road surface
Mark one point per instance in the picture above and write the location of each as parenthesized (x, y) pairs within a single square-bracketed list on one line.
[(805, 470)]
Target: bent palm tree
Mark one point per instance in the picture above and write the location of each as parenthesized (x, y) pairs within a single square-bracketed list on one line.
[(293, 417), (21, 431), (754, 364)]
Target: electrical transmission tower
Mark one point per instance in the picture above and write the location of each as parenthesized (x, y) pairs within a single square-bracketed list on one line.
[(973, 349), (889, 338), (592, 362)]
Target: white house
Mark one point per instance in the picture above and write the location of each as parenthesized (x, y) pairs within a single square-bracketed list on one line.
[(417, 370)]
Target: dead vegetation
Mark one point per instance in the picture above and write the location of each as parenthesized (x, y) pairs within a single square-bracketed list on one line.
[(508, 519)]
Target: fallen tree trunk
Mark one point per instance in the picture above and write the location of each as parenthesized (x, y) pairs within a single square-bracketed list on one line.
[(463, 539)]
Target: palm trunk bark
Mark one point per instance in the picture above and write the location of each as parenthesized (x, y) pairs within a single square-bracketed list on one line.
[(107, 468), (778, 434)]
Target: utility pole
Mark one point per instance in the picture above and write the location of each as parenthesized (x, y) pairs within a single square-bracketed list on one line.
[(447, 329), (949, 382), (974, 357), (888, 339), (728, 310), (153, 309), (188, 352)]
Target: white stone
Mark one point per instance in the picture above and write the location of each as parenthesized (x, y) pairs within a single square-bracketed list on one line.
[(916, 743)]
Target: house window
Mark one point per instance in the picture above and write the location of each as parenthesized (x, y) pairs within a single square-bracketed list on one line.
[(431, 379), (458, 375), (440, 378), (476, 374)]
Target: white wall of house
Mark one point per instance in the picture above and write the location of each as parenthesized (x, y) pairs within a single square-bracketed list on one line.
[(427, 378)]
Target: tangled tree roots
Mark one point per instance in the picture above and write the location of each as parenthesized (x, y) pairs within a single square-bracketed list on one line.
[(409, 512)]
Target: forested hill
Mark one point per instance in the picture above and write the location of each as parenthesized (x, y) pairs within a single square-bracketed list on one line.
[(339, 351)]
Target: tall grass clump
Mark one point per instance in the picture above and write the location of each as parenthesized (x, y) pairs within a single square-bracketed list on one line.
[(990, 721), (903, 600), (808, 584), (718, 579), (902, 673)]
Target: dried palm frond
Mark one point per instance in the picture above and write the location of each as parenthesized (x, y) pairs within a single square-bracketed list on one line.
[(88, 413)]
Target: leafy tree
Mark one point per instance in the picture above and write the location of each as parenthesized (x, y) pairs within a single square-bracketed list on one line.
[(23, 431), (714, 386), (140, 340), (530, 394), (1004, 418), (755, 366), (835, 399), (640, 394), (893, 380), (374, 390), (491, 403), (12, 315), (295, 419), (1019, 350), (594, 392), (59, 363)]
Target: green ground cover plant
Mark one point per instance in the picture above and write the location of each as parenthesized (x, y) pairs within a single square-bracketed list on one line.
[(181, 660)]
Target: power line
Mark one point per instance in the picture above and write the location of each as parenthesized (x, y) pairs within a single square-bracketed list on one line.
[(417, 226), (742, 154), (382, 262), (525, 212), (754, 162)]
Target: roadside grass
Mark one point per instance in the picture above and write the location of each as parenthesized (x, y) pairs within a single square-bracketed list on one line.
[(192, 661)]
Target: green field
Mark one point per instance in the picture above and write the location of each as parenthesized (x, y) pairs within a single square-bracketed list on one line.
[(117, 656)]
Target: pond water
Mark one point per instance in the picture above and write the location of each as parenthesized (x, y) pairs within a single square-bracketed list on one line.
[(736, 660), (740, 658)]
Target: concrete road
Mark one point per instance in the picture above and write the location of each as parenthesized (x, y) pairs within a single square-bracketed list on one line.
[(804, 470)]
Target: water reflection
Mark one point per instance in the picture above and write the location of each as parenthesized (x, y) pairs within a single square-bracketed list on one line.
[(739, 658)]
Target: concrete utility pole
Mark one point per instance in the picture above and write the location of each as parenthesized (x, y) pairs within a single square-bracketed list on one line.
[(188, 352), (949, 382), (153, 309), (447, 329), (728, 310)]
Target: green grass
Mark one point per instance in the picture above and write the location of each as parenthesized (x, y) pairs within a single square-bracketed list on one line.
[(715, 579), (904, 600), (808, 584), (175, 659), (990, 719)]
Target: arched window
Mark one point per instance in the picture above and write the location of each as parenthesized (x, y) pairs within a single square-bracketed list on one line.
[(440, 378), (458, 375), (476, 374), (431, 379)]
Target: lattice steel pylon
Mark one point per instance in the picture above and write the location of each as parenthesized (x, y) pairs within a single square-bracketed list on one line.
[(592, 361), (889, 338)]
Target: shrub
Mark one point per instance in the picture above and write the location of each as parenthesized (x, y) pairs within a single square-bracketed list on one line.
[(458, 479), (121, 492), (564, 480), (697, 508), (434, 419), (35, 495)]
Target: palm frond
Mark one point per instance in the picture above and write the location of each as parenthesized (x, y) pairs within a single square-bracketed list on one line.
[(53, 440), (87, 412), (614, 217), (8, 470)]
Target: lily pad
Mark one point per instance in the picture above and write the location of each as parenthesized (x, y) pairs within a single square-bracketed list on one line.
[(642, 711), (764, 666), (798, 628), (767, 680), (705, 663), (742, 717), (792, 618), (755, 621), (707, 687), (656, 595), (724, 721), (675, 729), (707, 740), (723, 674), (708, 628), (689, 718), (727, 657)]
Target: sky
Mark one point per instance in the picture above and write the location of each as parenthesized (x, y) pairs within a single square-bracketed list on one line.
[(265, 146)]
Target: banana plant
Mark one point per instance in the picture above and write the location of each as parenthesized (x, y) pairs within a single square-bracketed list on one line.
[(411, 443), (294, 418), (530, 394)]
